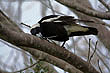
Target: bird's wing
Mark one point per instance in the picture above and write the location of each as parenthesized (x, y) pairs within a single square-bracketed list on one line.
[(70, 25), (70, 20), (66, 20)]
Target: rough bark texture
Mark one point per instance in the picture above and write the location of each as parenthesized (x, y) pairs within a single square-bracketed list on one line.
[(77, 6), (12, 34), (42, 56), (7, 22), (104, 33), (23, 39)]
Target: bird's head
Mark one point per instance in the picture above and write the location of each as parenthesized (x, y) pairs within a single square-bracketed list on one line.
[(35, 29)]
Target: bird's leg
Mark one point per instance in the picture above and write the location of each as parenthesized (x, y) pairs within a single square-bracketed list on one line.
[(44, 38), (63, 44), (41, 37)]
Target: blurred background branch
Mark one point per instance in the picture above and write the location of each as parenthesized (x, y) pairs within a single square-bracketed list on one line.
[(30, 12)]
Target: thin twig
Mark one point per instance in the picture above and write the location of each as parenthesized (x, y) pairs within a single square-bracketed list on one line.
[(74, 45), (106, 6), (99, 56), (89, 51), (93, 51), (25, 68), (102, 53), (51, 7), (99, 67)]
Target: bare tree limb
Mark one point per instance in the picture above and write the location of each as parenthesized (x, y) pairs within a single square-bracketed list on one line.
[(32, 52), (106, 6), (101, 59), (23, 39), (51, 59), (93, 52), (42, 56), (87, 11), (46, 57), (51, 7), (105, 33), (7, 21)]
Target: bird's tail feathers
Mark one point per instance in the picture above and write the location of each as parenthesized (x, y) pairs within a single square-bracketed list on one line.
[(92, 30), (84, 30)]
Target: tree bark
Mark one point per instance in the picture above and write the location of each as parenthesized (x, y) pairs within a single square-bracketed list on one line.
[(42, 56), (27, 40), (91, 12), (104, 33)]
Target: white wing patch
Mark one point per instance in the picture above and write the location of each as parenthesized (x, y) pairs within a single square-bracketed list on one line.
[(35, 25), (57, 21), (51, 19)]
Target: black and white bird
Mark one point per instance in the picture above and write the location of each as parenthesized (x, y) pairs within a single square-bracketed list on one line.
[(60, 28)]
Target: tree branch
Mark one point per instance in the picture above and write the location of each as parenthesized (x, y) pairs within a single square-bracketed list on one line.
[(105, 33), (7, 21), (82, 9), (106, 6), (23, 39), (42, 56)]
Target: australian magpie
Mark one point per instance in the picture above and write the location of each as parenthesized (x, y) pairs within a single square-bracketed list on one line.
[(60, 28)]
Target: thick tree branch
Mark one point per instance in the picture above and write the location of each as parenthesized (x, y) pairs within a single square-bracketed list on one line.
[(23, 39), (42, 56), (105, 33), (7, 21), (36, 55), (82, 9)]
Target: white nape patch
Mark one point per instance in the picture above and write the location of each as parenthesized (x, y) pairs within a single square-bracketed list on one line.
[(35, 25), (51, 19)]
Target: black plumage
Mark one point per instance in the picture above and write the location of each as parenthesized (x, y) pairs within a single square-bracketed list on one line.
[(60, 28)]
